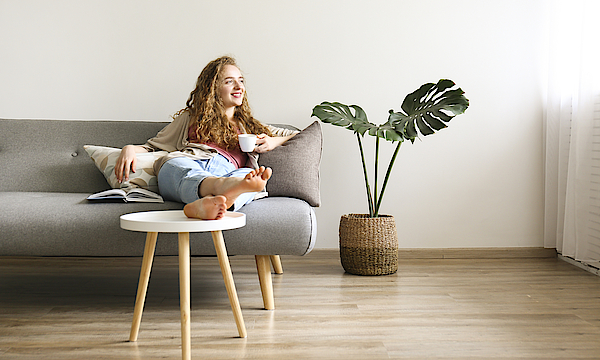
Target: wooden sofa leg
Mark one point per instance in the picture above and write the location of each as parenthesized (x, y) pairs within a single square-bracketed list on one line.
[(263, 266), (276, 261)]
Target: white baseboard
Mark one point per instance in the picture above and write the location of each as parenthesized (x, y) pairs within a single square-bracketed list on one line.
[(468, 253), (587, 267)]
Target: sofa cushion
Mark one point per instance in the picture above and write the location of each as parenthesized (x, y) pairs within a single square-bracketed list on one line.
[(144, 177), (296, 165), (66, 224)]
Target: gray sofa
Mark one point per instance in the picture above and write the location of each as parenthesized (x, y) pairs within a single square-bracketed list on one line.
[(46, 175)]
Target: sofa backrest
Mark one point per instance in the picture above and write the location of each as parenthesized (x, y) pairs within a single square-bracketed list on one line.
[(48, 155)]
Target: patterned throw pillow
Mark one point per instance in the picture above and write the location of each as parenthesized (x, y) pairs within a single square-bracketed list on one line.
[(144, 177)]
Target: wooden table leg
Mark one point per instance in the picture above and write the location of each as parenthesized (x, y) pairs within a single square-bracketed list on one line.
[(228, 278), (143, 284), (263, 266), (184, 295)]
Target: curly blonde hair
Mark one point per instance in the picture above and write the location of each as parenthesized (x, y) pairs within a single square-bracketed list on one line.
[(207, 113)]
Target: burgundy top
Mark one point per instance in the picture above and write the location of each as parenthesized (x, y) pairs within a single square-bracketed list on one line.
[(235, 156)]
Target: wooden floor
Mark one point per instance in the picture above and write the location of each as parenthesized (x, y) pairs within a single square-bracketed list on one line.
[(440, 308)]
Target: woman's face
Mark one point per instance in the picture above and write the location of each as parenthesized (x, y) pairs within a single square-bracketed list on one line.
[(232, 89)]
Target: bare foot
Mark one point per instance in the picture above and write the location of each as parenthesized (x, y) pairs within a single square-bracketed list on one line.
[(207, 208), (232, 187)]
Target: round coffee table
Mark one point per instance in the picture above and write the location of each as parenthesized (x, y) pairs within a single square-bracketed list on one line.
[(175, 221)]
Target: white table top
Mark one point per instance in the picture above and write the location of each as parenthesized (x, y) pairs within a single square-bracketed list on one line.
[(175, 221)]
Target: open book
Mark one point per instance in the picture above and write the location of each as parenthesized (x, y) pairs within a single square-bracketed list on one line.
[(127, 195)]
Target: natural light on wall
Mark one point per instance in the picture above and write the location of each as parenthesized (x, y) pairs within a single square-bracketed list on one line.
[(572, 130)]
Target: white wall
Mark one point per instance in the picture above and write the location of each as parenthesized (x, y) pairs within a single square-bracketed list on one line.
[(476, 184)]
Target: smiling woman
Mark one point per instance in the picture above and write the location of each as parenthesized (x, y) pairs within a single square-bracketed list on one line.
[(205, 167)]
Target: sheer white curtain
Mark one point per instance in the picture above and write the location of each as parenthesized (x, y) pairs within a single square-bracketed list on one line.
[(572, 130)]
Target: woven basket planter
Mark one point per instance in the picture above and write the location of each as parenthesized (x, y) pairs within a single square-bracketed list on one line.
[(368, 246)]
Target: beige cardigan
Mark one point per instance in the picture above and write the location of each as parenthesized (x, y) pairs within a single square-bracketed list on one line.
[(174, 139)]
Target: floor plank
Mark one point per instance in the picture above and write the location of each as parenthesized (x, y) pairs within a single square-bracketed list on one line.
[(453, 307)]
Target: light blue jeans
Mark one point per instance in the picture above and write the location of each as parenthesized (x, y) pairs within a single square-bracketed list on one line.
[(179, 179)]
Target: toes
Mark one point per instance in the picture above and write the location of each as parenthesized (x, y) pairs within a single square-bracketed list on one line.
[(255, 172), (266, 175)]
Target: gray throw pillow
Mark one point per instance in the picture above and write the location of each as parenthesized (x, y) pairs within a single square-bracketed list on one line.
[(296, 165)]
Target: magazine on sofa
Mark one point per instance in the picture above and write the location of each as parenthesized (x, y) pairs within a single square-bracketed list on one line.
[(127, 195)]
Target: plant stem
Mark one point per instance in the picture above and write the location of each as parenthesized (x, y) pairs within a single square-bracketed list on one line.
[(376, 167), (362, 157), (387, 177)]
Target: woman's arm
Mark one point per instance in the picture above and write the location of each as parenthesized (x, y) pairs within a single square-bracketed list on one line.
[(170, 138), (127, 161), (266, 143)]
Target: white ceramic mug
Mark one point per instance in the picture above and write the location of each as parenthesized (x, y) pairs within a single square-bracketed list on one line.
[(247, 142)]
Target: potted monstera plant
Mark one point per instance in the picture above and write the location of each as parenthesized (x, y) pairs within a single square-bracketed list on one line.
[(369, 242)]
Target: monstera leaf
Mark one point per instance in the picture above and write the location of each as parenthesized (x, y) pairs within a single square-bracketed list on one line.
[(428, 109), (339, 114)]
